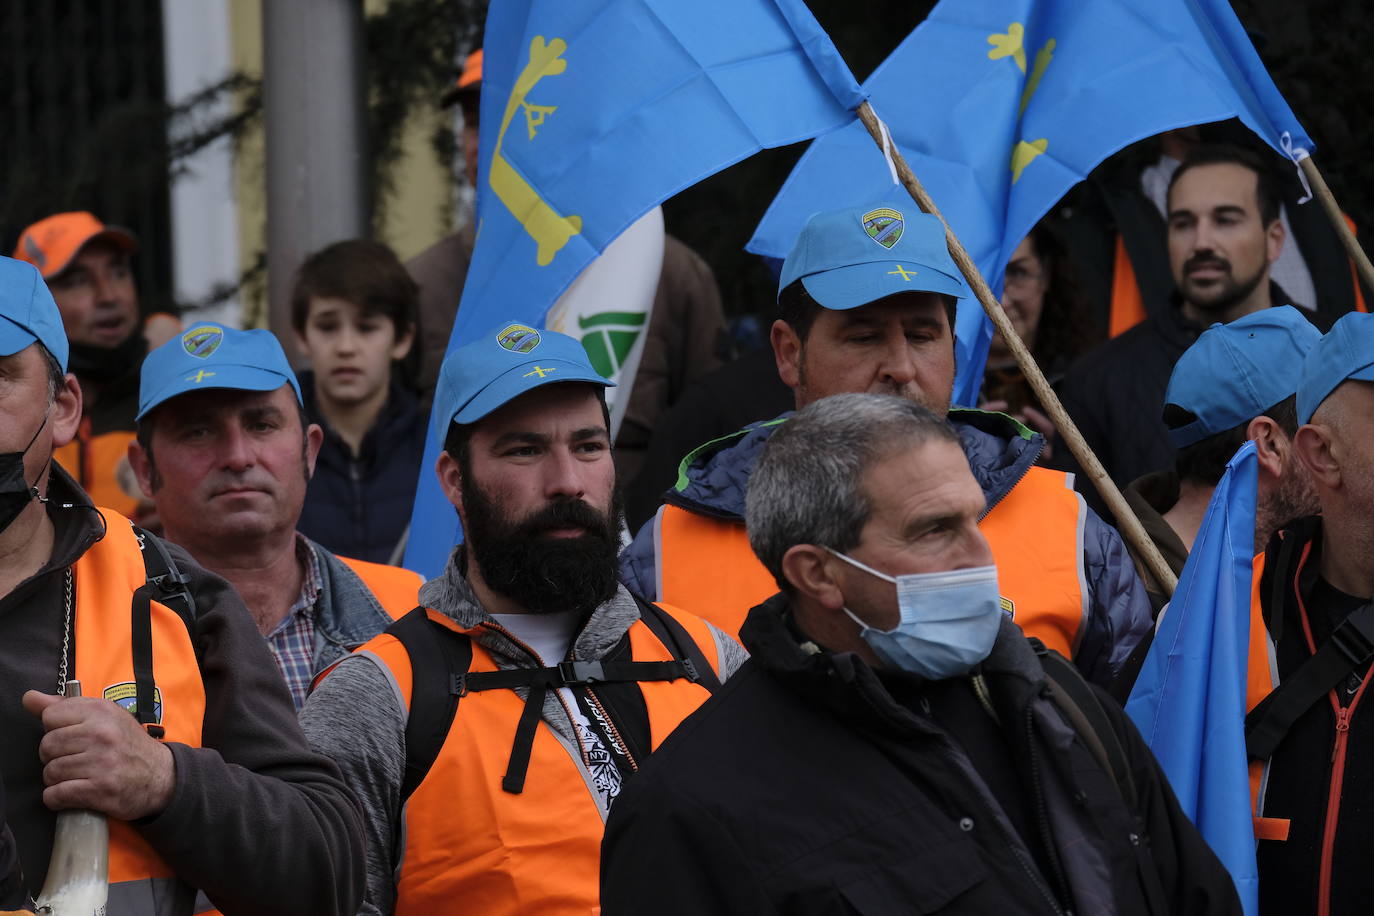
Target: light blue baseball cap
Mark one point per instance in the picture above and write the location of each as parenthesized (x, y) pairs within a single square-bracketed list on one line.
[(1234, 372), (1344, 352), (213, 356), (28, 314), (851, 257), (503, 364)]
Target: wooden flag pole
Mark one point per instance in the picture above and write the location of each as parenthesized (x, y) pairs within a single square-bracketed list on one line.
[(1131, 528), (1333, 210)]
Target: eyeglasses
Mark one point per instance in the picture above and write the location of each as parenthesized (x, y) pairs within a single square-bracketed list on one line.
[(1022, 279)]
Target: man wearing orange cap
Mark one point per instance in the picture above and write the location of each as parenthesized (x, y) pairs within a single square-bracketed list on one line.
[(86, 266)]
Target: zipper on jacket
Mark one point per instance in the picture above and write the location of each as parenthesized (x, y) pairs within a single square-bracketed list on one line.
[(1042, 819), (612, 730), (1333, 798), (1007, 492), (1017, 844)]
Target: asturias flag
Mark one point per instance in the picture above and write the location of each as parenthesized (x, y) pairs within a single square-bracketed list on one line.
[(1001, 106), (1189, 700), (595, 111)]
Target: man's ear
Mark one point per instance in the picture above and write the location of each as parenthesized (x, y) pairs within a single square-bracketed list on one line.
[(1313, 444), (807, 568), (450, 480), (314, 438), (787, 351), (1273, 240), (1271, 446), (141, 466), (66, 411)]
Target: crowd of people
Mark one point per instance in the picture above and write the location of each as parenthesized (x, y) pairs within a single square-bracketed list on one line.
[(859, 650)]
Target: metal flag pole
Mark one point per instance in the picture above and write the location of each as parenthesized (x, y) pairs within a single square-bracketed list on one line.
[(1131, 528)]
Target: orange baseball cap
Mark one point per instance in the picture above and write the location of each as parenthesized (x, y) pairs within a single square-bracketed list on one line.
[(468, 80), (51, 243)]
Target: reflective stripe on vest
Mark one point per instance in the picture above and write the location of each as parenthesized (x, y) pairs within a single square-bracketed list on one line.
[(397, 590), (1261, 677), (705, 565), (464, 838), (105, 579), (93, 461)]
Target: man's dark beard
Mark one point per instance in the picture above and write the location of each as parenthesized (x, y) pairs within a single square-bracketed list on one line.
[(1236, 293), (543, 574)]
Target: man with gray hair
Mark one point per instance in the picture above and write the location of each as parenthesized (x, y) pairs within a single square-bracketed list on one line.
[(866, 303), (894, 744)]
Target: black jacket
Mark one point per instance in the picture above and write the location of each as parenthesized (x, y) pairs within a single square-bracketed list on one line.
[(806, 787), (1304, 769), (1115, 395), (359, 505)]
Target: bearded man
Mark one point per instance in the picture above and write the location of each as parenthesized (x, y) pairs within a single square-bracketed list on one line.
[(1224, 235), (487, 733)]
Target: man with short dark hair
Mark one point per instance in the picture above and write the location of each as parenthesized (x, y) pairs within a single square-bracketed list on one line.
[(568, 681), (894, 745), (182, 735), (226, 453), (1224, 233), (866, 304), (1238, 382)]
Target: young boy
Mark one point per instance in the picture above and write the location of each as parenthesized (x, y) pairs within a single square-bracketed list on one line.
[(354, 309)]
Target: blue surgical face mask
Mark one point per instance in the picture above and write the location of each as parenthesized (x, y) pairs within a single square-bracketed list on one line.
[(949, 620)]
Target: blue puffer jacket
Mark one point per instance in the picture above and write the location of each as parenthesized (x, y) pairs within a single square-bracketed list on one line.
[(1000, 451)]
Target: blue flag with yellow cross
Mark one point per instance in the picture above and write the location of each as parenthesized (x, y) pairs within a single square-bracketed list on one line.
[(595, 111), (1001, 106)]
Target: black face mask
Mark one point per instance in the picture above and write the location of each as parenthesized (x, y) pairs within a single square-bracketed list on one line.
[(15, 492)]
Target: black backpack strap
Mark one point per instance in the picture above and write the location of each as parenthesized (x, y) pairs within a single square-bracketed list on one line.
[(568, 674), (439, 660), (671, 633), (169, 586), (1075, 699), (1350, 646), (1083, 710)]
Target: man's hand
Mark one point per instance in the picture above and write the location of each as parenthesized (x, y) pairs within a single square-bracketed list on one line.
[(97, 756)]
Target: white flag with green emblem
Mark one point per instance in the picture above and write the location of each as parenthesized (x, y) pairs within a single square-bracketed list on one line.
[(609, 305)]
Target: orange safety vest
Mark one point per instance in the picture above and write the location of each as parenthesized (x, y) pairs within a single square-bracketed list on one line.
[(105, 578), (465, 839), (706, 566), (1261, 677), (92, 461), (396, 590)]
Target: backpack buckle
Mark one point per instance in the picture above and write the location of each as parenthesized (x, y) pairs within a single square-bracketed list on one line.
[(588, 672), (1354, 638)]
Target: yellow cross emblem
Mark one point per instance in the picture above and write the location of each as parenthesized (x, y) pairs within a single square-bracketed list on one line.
[(200, 376), (539, 371), (903, 273)]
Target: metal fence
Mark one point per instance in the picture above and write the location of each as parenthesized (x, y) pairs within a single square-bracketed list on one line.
[(85, 125)]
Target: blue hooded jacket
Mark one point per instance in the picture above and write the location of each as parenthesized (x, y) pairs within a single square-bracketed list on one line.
[(714, 478)]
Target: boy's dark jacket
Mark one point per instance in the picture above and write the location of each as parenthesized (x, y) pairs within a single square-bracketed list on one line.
[(360, 506)]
